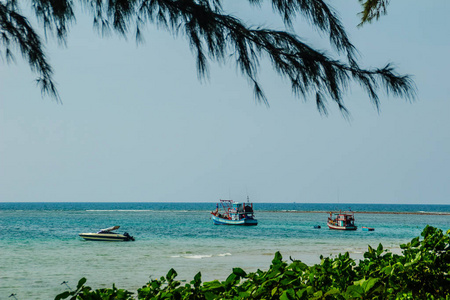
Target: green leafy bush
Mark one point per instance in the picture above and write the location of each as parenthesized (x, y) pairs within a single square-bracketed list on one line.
[(421, 272)]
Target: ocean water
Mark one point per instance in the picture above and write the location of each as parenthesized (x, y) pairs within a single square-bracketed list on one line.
[(40, 247)]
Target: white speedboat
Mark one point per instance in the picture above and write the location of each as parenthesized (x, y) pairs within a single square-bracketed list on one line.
[(107, 234)]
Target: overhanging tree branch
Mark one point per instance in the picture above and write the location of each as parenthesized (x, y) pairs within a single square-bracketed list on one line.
[(308, 70), (214, 35), (16, 32)]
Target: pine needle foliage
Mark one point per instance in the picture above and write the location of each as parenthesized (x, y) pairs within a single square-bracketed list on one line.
[(17, 33), (213, 36), (372, 10)]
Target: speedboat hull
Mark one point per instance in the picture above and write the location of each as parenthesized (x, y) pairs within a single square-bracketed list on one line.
[(108, 237), (243, 222)]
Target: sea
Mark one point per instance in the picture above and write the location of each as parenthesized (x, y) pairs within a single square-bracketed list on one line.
[(42, 255)]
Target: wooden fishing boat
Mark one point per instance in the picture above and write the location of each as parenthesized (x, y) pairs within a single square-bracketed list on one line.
[(107, 234), (342, 221), (229, 212)]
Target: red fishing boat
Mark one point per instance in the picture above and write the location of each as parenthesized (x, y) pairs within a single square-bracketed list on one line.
[(342, 221)]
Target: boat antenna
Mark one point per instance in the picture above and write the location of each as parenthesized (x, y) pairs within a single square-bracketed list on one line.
[(246, 191)]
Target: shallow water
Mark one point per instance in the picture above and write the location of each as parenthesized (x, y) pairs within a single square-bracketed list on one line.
[(40, 247)]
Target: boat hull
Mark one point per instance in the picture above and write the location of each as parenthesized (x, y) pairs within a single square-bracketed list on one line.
[(107, 237), (368, 229), (242, 222), (335, 227)]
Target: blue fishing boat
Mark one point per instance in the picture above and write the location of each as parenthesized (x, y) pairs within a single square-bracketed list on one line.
[(364, 228), (229, 212)]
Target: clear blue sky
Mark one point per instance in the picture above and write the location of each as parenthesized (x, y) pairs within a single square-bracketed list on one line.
[(137, 125)]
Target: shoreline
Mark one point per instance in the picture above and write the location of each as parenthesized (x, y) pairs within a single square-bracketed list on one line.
[(365, 212)]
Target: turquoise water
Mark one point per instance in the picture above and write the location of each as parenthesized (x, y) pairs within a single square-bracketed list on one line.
[(40, 247)]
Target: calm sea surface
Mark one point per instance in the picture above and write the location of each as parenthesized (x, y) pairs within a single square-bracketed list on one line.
[(40, 247)]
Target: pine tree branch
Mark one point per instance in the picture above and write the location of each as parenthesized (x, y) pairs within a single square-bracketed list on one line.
[(372, 9), (309, 71), (213, 36), (16, 32)]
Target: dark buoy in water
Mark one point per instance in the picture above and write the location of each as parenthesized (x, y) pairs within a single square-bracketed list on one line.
[(317, 227)]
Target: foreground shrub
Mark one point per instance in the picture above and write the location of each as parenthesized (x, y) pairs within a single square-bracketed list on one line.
[(421, 272)]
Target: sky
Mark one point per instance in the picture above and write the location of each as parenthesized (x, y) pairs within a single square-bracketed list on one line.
[(137, 125)]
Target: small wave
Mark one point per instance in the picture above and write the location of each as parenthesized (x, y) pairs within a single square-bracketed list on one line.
[(121, 210), (224, 254), (196, 256)]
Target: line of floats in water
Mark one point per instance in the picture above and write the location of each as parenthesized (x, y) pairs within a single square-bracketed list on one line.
[(229, 212)]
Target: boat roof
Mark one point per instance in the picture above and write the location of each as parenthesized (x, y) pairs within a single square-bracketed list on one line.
[(342, 212), (110, 228)]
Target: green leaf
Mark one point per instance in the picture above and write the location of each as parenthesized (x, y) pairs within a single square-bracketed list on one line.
[(332, 291), (355, 291), (197, 280), (379, 249), (368, 284), (231, 279), (171, 275), (298, 266), (318, 294), (288, 294), (278, 259), (210, 296), (239, 272), (300, 293), (63, 295), (244, 295), (387, 270), (81, 282), (360, 282), (415, 242), (211, 285)]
